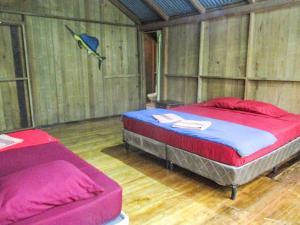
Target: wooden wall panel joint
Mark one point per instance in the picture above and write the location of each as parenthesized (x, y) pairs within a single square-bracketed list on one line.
[(165, 46), (201, 61), (6, 22), (66, 18), (141, 68), (120, 76), (13, 80), (249, 59), (182, 76), (223, 77)]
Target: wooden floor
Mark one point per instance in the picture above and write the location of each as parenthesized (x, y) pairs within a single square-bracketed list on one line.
[(154, 195)]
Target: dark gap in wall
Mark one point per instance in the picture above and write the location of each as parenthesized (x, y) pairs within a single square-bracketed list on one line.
[(18, 66)]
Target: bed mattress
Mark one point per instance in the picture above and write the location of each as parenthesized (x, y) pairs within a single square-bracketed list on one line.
[(95, 211), (285, 129)]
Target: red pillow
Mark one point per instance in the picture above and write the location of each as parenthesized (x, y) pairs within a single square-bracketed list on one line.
[(224, 102), (33, 190), (260, 108)]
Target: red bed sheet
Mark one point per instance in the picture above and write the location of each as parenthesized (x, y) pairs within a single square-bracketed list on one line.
[(285, 129), (95, 211), (30, 138)]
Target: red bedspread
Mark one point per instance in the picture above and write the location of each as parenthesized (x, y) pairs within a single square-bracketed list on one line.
[(285, 129), (38, 148), (30, 138)]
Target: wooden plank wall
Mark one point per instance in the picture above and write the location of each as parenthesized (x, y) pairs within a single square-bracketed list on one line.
[(253, 56), (14, 107), (182, 64), (66, 83)]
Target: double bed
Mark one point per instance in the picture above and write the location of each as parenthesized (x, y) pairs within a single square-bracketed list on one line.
[(211, 158), (38, 148)]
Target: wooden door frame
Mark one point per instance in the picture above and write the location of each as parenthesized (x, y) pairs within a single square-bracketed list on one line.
[(26, 79)]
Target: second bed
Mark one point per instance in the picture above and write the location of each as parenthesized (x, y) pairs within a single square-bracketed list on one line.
[(216, 161)]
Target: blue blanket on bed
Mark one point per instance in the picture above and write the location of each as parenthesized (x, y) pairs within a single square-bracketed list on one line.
[(243, 139)]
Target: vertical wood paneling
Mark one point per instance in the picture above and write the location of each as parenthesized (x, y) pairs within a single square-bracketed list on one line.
[(10, 96), (10, 118), (9, 107), (183, 57), (276, 56), (225, 46), (276, 46), (213, 88), (6, 54), (235, 54), (183, 49), (182, 89), (10, 17), (121, 95), (96, 10), (282, 94), (120, 50), (40, 47), (67, 84)]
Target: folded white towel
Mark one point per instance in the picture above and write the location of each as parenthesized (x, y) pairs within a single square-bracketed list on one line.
[(167, 118), (6, 141), (192, 124)]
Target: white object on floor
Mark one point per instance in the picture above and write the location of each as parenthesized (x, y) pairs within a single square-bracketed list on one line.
[(6, 141), (192, 124), (122, 219), (167, 118), (152, 96)]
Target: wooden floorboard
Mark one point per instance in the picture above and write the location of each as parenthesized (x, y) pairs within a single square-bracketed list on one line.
[(154, 195)]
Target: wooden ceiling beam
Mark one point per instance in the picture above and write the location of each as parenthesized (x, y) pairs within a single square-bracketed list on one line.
[(126, 11), (200, 8), (234, 11), (156, 9)]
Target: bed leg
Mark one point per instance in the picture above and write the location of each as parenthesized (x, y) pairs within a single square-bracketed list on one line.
[(126, 147), (275, 170), (171, 166), (167, 164), (234, 189)]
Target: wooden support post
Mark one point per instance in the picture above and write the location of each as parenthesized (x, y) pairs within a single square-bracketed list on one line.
[(28, 74), (249, 59), (159, 65), (165, 57), (201, 57), (142, 79)]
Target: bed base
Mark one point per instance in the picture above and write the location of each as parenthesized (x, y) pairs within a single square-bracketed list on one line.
[(122, 219), (220, 173)]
